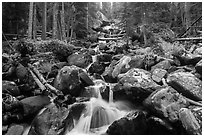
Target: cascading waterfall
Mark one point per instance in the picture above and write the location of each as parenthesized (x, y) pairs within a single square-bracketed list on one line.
[(98, 114)]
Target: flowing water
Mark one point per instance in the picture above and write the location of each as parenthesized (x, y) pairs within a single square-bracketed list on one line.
[(99, 114)]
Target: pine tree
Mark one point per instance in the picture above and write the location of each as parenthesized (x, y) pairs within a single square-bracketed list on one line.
[(30, 22)]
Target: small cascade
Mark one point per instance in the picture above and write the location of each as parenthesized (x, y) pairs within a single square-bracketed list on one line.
[(110, 94), (94, 59), (98, 114)]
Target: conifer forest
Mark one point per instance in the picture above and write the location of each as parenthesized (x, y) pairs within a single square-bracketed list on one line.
[(101, 68)]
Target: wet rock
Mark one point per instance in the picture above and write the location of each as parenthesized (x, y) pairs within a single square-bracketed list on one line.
[(137, 83), (197, 112), (107, 74), (198, 67), (32, 105), (79, 60), (10, 87), (198, 51), (21, 71), (165, 64), (97, 67), (16, 129), (122, 62), (189, 122), (68, 80), (187, 84), (104, 57), (166, 102), (50, 121), (158, 74), (132, 124), (136, 62), (55, 68), (157, 126), (188, 59)]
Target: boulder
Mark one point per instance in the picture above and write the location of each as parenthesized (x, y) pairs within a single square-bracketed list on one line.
[(81, 60), (136, 83), (158, 126), (198, 51), (10, 87), (189, 122), (97, 67), (50, 121), (166, 102), (104, 57), (132, 124), (15, 129), (198, 67), (187, 84), (165, 64), (32, 105), (71, 80), (21, 71), (158, 74), (189, 59)]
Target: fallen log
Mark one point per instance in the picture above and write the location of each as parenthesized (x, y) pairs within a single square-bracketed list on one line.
[(44, 82), (187, 39), (108, 39), (40, 85)]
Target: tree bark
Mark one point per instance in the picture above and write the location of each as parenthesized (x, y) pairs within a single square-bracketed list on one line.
[(34, 21), (44, 20), (30, 22), (54, 27), (63, 22)]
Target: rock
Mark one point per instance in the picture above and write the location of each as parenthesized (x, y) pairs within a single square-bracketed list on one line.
[(50, 121), (32, 105), (132, 124), (21, 71), (166, 102), (189, 122), (136, 62), (68, 80), (165, 64), (79, 60), (85, 79), (15, 130), (122, 62), (10, 87), (198, 67), (137, 83), (55, 68), (107, 74), (187, 84), (188, 59), (97, 67), (158, 74), (157, 126), (198, 51), (104, 57), (197, 112)]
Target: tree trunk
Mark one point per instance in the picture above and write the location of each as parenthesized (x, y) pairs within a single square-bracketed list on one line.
[(187, 15), (44, 20), (30, 22), (68, 22), (34, 21), (54, 27), (63, 22)]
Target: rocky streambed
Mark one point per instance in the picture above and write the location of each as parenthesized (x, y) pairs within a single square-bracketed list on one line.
[(51, 87)]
